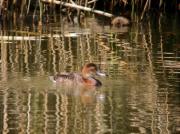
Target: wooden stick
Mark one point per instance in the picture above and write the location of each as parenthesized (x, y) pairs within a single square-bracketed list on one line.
[(78, 7)]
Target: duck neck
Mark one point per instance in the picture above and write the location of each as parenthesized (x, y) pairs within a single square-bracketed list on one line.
[(85, 75)]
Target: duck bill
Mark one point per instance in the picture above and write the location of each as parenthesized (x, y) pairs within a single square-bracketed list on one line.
[(100, 74)]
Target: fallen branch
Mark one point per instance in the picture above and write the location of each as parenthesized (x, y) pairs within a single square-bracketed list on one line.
[(78, 7)]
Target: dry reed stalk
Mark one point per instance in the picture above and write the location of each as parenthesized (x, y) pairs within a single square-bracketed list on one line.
[(40, 15), (28, 6), (23, 4), (92, 1), (1, 3), (86, 3), (145, 7)]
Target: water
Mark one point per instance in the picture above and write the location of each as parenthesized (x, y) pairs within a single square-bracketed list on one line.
[(140, 95)]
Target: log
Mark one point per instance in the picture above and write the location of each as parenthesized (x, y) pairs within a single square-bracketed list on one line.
[(78, 7)]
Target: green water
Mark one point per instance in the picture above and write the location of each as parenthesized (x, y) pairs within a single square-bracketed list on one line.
[(140, 94)]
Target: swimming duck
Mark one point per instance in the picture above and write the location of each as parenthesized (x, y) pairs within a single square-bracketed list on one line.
[(120, 21), (86, 77)]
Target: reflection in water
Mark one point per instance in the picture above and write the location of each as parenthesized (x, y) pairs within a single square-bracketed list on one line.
[(140, 95)]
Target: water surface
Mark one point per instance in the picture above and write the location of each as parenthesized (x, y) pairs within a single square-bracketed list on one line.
[(140, 95)]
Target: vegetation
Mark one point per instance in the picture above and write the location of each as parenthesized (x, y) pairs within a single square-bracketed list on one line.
[(128, 8)]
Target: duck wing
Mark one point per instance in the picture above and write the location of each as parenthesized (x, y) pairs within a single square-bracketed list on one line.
[(69, 76), (62, 77)]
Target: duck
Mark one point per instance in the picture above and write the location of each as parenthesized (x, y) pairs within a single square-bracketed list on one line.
[(86, 77), (120, 21)]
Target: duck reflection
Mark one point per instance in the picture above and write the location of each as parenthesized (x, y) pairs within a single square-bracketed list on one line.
[(86, 94)]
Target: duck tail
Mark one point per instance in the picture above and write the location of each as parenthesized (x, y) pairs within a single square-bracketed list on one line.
[(52, 79)]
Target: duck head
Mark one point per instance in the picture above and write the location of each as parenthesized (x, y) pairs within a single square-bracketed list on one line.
[(90, 69)]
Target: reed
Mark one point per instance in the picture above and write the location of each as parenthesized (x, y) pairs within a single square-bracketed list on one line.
[(134, 7)]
